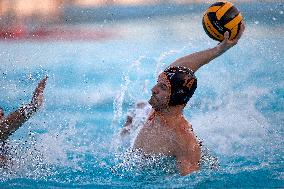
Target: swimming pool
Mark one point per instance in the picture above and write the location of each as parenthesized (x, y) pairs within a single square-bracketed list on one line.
[(237, 109)]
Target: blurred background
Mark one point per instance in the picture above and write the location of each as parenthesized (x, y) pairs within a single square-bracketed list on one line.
[(36, 18)]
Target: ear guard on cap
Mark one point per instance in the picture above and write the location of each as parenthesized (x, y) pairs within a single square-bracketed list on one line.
[(183, 84)]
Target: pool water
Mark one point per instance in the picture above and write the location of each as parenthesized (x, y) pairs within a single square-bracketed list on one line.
[(237, 110)]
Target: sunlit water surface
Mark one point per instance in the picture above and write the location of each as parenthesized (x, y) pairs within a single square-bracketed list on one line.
[(237, 110)]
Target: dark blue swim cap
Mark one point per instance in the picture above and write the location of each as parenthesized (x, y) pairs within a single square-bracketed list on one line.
[(182, 84)]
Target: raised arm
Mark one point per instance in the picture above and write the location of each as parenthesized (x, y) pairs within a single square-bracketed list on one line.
[(196, 60), (16, 119)]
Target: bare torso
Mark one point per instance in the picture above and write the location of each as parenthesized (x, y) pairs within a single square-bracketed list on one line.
[(154, 138), (160, 136)]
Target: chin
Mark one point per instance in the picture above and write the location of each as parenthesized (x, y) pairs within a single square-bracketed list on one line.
[(153, 105), (151, 102), (157, 107)]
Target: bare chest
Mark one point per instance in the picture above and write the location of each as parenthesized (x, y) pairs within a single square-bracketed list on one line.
[(155, 138)]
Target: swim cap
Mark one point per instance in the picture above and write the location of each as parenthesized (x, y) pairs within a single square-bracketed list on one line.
[(182, 84)]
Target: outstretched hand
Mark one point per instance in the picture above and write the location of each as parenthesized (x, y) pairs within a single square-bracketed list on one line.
[(227, 43), (37, 99), (16, 119)]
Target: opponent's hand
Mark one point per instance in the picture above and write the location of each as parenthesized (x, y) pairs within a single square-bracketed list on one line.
[(37, 99), (227, 43)]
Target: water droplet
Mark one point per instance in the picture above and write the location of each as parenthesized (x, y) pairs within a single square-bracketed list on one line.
[(274, 18), (281, 12), (256, 22)]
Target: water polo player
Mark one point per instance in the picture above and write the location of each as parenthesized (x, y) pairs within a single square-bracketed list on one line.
[(166, 131)]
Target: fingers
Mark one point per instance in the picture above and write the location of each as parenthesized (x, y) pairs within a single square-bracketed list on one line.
[(227, 43), (37, 98), (42, 83), (40, 87), (242, 29), (226, 35), (225, 40)]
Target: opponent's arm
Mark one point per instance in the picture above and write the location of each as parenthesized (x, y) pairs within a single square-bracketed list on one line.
[(16, 119), (127, 126), (196, 60)]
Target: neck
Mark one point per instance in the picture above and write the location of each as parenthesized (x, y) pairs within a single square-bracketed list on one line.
[(171, 111)]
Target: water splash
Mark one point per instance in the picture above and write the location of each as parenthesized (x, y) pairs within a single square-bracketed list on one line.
[(160, 64)]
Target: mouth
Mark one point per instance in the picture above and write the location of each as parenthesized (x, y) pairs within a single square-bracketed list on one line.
[(153, 99)]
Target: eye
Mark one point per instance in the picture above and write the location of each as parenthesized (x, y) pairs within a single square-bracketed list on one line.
[(163, 87)]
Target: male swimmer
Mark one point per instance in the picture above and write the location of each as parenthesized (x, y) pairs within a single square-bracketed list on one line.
[(166, 131), (15, 120)]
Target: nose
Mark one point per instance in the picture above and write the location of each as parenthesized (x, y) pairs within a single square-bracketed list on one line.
[(155, 90)]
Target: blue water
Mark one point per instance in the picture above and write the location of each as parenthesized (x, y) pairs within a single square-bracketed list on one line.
[(71, 142)]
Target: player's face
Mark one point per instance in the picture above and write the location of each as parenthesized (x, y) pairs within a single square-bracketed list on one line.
[(160, 94)]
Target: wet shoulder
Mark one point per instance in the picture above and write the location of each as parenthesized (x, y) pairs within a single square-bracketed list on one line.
[(185, 136)]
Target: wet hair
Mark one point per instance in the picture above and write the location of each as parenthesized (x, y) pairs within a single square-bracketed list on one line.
[(182, 83)]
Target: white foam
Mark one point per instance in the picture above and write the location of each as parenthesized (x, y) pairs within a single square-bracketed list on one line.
[(235, 128), (96, 95)]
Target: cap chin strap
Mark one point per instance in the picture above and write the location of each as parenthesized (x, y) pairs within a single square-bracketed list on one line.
[(168, 83)]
